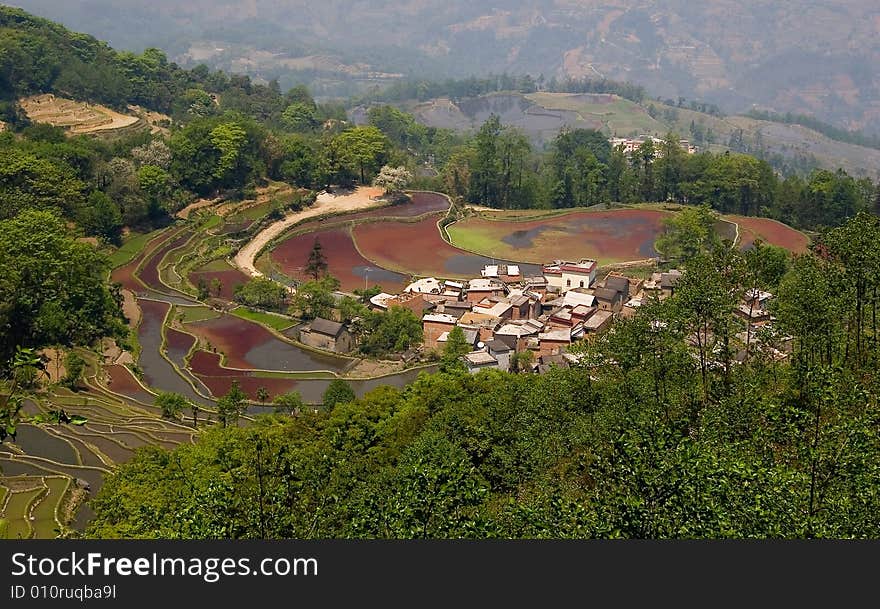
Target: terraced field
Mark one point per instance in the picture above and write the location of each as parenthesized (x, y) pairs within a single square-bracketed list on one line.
[(606, 236), (770, 231)]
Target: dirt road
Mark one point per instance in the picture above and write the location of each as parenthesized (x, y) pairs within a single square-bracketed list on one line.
[(362, 198)]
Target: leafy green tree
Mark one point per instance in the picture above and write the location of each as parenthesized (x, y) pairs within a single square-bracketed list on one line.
[(172, 405), (456, 346), (231, 406), (315, 298), (101, 217), (300, 117), (688, 233), (261, 292), (28, 181), (52, 287), (365, 148), (337, 392), (74, 367), (263, 394), (156, 184), (290, 403), (391, 331)]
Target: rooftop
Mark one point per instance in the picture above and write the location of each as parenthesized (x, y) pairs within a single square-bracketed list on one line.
[(597, 320), (480, 358), (428, 285), (557, 334), (483, 284), (440, 318), (606, 294), (326, 327), (497, 346)]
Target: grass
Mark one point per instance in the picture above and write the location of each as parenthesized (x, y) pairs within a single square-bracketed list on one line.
[(473, 240), (213, 222), (191, 314), (275, 322), (621, 117), (45, 524), (3, 491), (268, 374), (215, 266), (254, 212), (17, 513), (133, 246)]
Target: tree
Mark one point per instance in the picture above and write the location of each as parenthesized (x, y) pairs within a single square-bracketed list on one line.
[(522, 361), (393, 179), (300, 117), (229, 140), (74, 366), (337, 392), (261, 292), (172, 405), (456, 346), (291, 403), (53, 289), (231, 406), (391, 331), (688, 233), (262, 394), (317, 262), (315, 298), (365, 148), (101, 217), (217, 286)]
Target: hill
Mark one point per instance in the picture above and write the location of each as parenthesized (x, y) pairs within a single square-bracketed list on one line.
[(801, 56), (541, 115)]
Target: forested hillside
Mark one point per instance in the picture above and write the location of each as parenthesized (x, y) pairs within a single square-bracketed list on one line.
[(670, 425), (662, 431), (814, 58)]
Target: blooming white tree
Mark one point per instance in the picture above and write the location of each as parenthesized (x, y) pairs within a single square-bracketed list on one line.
[(393, 179)]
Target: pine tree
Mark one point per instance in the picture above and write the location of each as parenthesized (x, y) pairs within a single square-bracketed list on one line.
[(317, 261)]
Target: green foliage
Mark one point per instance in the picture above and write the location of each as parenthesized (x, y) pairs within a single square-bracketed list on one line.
[(52, 287), (391, 331), (317, 262), (172, 405), (688, 233), (300, 117), (261, 292), (456, 346), (231, 406), (74, 367), (364, 148), (289, 403), (337, 392), (101, 217), (315, 298)]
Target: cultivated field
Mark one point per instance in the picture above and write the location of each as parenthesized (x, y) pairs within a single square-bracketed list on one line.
[(343, 259), (78, 118), (250, 346), (770, 231), (606, 236), (228, 276), (416, 248)]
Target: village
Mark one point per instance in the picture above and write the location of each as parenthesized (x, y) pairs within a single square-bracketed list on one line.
[(520, 323)]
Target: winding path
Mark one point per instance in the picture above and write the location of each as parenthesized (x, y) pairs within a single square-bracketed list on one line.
[(363, 197)]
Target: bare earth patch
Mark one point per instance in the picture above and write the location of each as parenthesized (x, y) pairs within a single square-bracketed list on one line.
[(369, 368), (76, 117), (362, 198)]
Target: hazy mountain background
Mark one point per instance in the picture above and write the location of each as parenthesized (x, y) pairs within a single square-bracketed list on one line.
[(805, 56)]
